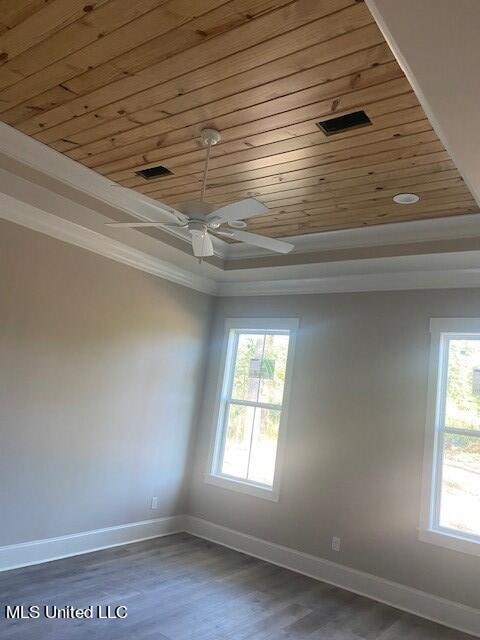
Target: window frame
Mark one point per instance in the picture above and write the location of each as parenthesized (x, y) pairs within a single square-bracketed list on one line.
[(442, 330), (212, 475)]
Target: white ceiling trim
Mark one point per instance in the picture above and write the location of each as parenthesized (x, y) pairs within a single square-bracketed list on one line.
[(38, 156), (29, 216), (441, 279), (448, 228), (40, 215)]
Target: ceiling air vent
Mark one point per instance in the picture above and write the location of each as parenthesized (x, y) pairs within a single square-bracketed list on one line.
[(344, 123), (154, 172)]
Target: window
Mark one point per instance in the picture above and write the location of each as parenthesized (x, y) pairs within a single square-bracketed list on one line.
[(451, 492), (252, 404)]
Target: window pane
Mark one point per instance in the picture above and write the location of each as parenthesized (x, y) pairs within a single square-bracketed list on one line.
[(237, 440), (274, 364), (264, 446), (460, 491), (462, 408), (246, 379)]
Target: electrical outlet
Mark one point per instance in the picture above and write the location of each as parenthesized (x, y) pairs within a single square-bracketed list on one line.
[(336, 543), (154, 503)]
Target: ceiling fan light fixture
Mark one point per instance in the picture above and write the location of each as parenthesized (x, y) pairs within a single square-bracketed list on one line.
[(406, 198)]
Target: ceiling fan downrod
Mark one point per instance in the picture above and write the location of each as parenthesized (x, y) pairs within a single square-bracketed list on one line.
[(209, 137)]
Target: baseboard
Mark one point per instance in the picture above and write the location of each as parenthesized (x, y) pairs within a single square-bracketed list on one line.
[(14, 556), (446, 612)]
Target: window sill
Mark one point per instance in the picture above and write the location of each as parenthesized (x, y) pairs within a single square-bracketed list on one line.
[(242, 487), (450, 541)]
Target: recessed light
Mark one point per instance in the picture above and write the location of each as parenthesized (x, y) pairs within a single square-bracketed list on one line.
[(237, 224), (406, 198)]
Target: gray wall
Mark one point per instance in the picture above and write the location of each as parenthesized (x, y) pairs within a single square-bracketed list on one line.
[(99, 380), (355, 436)]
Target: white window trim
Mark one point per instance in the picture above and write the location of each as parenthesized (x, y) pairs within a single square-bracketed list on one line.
[(428, 532), (235, 484)]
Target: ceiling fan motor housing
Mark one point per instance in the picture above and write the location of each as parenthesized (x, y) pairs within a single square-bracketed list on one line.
[(197, 226)]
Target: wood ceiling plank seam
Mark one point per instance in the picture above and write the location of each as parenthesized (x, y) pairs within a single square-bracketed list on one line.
[(107, 48), (132, 105), (198, 30), (273, 186), (13, 13), (256, 94), (99, 22), (408, 154), (278, 153), (341, 186), (73, 127), (71, 67), (23, 111), (353, 216), (126, 106), (364, 196), (251, 131), (111, 127), (356, 219), (454, 198), (430, 188), (218, 168), (41, 24), (298, 229), (325, 214), (313, 139), (172, 150), (366, 220), (318, 194), (401, 117), (271, 193), (269, 119), (196, 57), (327, 209), (381, 107)]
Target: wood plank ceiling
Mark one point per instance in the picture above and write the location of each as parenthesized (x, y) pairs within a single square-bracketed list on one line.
[(120, 86)]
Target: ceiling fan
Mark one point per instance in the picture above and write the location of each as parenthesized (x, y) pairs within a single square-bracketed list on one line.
[(200, 218)]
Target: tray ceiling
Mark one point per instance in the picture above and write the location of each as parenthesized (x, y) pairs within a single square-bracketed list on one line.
[(121, 86)]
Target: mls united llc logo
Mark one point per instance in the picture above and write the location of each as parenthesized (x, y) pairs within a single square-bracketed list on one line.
[(100, 612)]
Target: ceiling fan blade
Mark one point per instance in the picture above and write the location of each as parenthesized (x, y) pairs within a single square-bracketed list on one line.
[(259, 241), (240, 210), (193, 208), (148, 209), (201, 244), (134, 225)]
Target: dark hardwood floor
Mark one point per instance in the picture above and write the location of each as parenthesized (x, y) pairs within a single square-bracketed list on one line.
[(184, 588)]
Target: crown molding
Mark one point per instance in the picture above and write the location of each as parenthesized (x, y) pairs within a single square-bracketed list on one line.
[(38, 156), (35, 207), (43, 159), (388, 281), (435, 229), (29, 216), (36, 219)]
